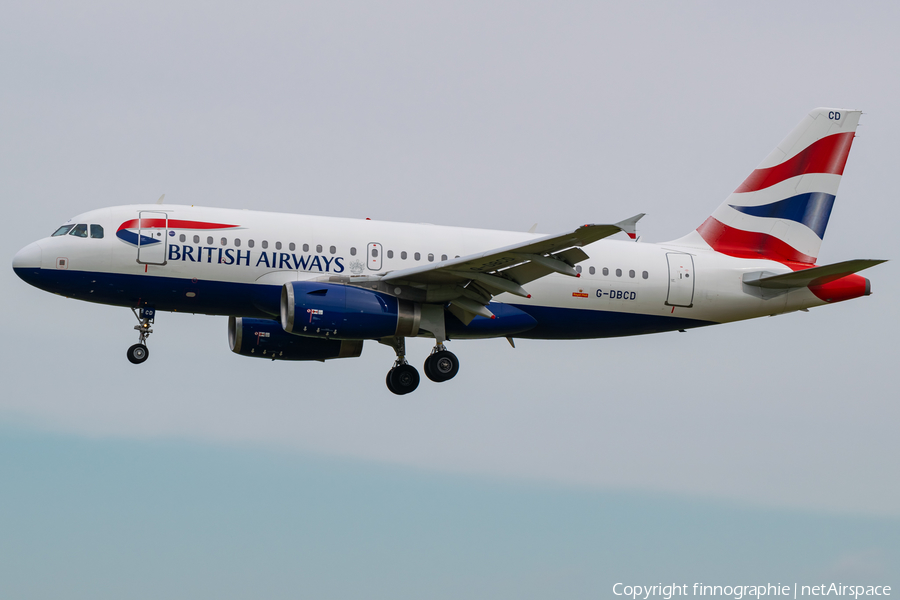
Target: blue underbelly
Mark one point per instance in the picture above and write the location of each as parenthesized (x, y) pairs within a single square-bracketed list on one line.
[(262, 301)]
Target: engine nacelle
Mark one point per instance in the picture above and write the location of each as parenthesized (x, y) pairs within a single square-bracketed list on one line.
[(332, 310), (263, 338)]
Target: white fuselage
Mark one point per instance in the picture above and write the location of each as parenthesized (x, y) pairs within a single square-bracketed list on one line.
[(191, 266)]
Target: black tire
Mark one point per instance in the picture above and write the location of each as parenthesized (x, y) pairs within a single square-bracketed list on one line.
[(427, 368), (390, 385), (441, 366), (403, 379), (138, 354)]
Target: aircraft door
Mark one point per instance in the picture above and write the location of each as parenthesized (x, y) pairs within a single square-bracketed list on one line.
[(681, 279), (373, 256), (153, 237)]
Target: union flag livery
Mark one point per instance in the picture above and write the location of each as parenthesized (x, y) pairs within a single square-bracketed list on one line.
[(308, 288), (781, 210)]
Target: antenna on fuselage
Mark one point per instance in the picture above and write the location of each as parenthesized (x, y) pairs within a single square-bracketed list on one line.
[(160, 199)]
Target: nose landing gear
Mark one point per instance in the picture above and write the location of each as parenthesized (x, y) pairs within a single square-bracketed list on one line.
[(138, 353)]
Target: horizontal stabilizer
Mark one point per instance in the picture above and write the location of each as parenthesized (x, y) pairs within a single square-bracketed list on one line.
[(806, 277)]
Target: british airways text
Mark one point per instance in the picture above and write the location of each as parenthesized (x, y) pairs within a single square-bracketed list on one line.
[(271, 260)]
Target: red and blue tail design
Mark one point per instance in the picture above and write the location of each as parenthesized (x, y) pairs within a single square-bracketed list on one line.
[(781, 210)]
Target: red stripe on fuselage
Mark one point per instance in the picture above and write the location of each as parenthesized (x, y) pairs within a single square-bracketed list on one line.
[(173, 224), (827, 155), (749, 244)]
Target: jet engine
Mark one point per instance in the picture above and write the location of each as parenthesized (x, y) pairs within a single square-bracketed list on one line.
[(263, 338), (335, 311)]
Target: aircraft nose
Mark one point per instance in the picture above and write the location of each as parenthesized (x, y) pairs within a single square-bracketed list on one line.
[(28, 257)]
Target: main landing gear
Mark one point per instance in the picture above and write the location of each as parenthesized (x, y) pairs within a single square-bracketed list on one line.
[(441, 365), (403, 378), (139, 352)]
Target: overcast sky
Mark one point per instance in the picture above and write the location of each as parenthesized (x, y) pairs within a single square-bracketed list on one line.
[(494, 115)]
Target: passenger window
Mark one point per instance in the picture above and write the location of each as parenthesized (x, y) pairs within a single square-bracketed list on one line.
[(97, 231), (353, 251), (403, 255), (265, 244), (578, 269), (196, 239), (250, 243), (443, 257), (417, 256), (79, 230), (618, 272), (645, 274), (278, 245), (605, 271), (292, 246), (209, 240), (592, 270), (237, 242), (631, 273), (332, 250), (182, 237), (390, 254), (430, 257), (374, 252), (306, 247), (62, 230), (224, 241), (318, 248)]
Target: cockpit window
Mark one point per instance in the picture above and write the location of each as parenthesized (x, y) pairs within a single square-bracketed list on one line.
[(62, 230), (96, 231), (79, 230)]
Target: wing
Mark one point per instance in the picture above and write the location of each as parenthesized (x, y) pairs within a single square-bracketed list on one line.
[(469, 282)]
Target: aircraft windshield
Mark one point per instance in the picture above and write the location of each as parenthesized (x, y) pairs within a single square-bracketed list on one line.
[(79, 230), (62, 230)]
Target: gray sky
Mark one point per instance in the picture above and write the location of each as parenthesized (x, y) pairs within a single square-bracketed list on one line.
[(497, 115)]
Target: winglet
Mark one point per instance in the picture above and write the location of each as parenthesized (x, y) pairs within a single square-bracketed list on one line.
[(629, 226)]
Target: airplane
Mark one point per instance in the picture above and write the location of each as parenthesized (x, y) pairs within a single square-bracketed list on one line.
[(302, 288)]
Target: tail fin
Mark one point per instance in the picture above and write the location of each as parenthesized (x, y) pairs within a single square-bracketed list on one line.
[(781, 210)]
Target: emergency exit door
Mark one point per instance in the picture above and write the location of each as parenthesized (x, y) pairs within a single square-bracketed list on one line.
[(373, 256), (681, 279)]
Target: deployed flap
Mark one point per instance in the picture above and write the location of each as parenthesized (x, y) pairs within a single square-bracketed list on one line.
[(812, 276)]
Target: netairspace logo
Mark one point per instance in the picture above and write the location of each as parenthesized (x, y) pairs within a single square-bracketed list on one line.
[(666, 592)]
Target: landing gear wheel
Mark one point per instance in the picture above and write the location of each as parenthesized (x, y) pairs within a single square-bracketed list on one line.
[(441, 366), (390, 386), (402, 379), (138, 354)]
